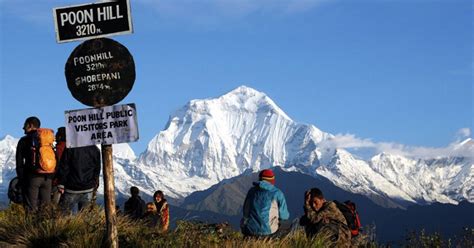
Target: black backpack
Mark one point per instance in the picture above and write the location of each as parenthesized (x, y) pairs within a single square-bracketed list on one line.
[(348, 209), (14, 191)]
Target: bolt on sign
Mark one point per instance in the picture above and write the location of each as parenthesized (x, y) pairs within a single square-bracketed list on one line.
[(100, 72), (94, 20), (106, 125)]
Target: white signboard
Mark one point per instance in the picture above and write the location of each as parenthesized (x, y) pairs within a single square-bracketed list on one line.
[(106, 125)]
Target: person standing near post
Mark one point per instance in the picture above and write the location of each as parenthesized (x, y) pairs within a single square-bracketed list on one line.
[(162, 210), (264, 207), (60, 147), (78, 176), (35, 183)]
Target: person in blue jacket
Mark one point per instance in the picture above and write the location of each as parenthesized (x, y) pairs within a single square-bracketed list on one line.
[(264, 207)]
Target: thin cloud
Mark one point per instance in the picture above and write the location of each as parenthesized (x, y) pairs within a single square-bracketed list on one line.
[(347, 141), (461, 147), (463, 133)]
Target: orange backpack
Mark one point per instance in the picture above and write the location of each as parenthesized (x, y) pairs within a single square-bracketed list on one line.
[(44, 158), (348, 209)]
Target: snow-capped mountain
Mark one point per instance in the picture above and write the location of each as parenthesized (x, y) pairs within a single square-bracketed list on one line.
[(357, 176), (7, 162), (207, 141)]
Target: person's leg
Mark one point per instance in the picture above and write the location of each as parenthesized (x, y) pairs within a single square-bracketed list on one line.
[(32, 192), (330, 234), (45, 191), (285, 228), (67, 202), (84, 200), (56, 196)]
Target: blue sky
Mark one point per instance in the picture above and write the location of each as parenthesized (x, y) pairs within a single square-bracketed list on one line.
[(388, 71)]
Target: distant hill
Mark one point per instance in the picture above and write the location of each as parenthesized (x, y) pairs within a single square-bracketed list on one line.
[(228, 196)]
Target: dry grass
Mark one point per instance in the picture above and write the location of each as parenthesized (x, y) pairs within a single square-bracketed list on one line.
[(86, 229)]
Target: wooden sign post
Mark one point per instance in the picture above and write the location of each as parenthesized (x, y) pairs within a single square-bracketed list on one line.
[(109, 195), (99, 73)]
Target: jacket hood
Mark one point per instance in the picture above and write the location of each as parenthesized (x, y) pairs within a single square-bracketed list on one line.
[(264, 185)]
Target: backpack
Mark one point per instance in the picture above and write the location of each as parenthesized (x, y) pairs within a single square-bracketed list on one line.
[(14, 191), (44, 158), (348, 209)]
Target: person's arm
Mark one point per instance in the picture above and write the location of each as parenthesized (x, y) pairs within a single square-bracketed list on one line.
[(246, 211), (324, 214), (245, 208), (142, 208), (282, 207), (63, 169), (126, 206), (97, 166), (20, 160), (165, 217)]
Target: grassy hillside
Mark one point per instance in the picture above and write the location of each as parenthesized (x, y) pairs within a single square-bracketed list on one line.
[(87, 229)]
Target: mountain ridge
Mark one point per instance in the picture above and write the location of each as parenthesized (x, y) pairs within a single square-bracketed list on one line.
[(210, 140)]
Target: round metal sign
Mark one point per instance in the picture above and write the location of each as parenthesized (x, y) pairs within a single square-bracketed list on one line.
[(100, 72)]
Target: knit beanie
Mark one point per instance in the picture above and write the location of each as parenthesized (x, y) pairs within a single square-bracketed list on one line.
[(267, 175)]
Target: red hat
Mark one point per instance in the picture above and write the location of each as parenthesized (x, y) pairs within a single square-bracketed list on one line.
[(267, 175)]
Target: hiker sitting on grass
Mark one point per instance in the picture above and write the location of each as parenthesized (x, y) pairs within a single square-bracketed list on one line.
[(151, 217), (163, 211), (322, 219), (264, 207), (134, 207)]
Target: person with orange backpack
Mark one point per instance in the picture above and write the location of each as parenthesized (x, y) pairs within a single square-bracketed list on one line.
[(35, 164)]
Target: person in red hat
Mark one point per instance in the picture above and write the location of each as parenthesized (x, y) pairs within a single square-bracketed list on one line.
[(264, 207)]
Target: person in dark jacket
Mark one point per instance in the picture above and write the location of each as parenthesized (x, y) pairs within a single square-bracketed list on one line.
[(134, 207), (264, 207), (60, 146), (36, 187), (78, 176), (60, 142)]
